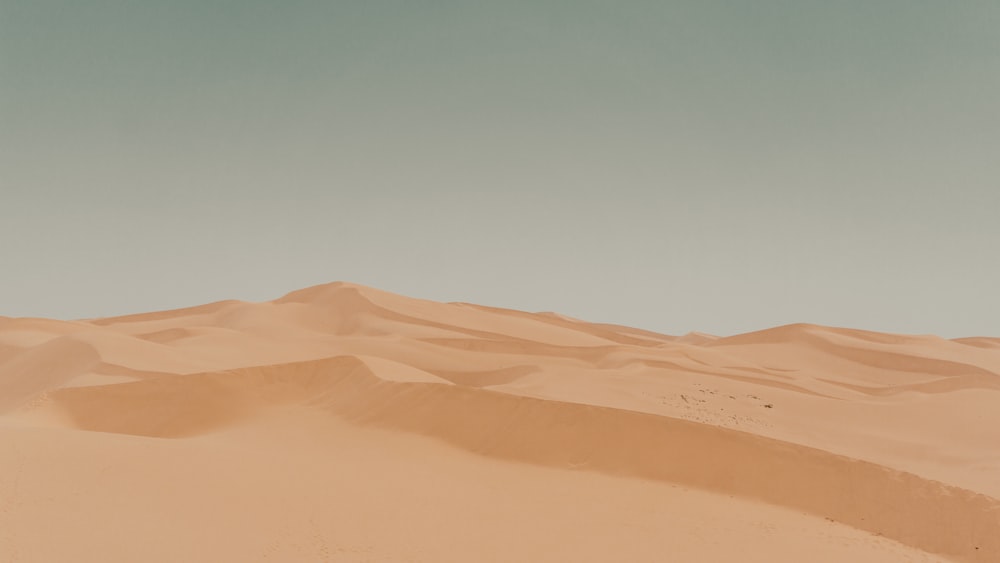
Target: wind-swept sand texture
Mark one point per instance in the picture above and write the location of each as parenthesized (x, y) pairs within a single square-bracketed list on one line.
[(342, 423)]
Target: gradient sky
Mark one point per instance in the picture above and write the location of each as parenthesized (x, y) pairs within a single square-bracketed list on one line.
[(696, 165)]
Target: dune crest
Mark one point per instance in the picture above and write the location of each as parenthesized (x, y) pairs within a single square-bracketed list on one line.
[(893, 435)]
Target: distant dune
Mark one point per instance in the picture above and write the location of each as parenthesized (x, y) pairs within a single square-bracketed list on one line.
[(344, 423)]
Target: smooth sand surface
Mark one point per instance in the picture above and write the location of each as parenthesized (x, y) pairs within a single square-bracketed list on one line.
[(343, 423)]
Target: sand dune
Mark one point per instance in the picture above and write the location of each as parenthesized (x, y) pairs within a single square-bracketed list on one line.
[(343, 423)]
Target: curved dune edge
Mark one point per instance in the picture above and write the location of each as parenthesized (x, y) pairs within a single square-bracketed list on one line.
[(901, 506), (31, 373)]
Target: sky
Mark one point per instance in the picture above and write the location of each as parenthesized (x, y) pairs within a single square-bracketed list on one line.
[(697, 165)]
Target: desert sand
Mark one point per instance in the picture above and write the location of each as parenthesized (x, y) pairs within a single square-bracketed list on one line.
[(344, 423)]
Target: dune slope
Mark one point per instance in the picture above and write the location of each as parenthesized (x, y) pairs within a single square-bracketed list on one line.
[(336, 410)]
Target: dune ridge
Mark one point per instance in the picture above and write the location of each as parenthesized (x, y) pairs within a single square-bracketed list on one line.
[(887, 502), (895, 435)]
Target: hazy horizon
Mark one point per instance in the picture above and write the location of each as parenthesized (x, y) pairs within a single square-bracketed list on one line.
[(676, 166)]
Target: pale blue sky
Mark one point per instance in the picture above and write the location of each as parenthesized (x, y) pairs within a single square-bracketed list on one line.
[(698, 165)]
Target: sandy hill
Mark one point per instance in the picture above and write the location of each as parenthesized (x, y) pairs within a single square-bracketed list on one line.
[(344, 423)]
